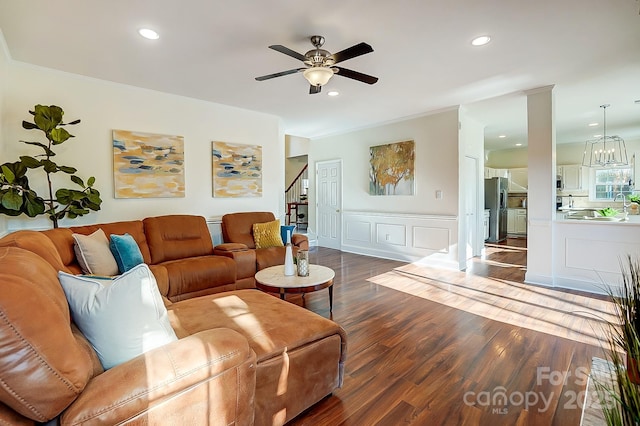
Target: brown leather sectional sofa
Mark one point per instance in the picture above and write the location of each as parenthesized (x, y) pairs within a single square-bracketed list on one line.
[(243, 357)]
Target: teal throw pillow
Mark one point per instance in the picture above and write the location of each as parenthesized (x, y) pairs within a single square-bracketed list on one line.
[(126, 252)]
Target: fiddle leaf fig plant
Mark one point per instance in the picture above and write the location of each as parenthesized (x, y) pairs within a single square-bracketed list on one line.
[(16, 196)]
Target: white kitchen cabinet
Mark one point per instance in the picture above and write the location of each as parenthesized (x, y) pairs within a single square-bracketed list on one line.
[(572, 177), (518, 180), (521, 221), (516, 221), (486, 224), (490, 172)]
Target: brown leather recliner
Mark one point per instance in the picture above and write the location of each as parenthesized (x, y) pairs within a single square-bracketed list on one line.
[(237, 233)]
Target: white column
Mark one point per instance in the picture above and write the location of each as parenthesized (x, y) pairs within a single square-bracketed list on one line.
[(541, 193)]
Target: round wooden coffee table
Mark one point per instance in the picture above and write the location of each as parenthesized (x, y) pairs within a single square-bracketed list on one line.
[(273, 280)]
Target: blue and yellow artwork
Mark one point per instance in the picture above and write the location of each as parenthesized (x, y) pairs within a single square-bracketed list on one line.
[(147, 165), (236, 170)]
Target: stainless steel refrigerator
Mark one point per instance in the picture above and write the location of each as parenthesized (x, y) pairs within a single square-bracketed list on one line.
[(495, 199)]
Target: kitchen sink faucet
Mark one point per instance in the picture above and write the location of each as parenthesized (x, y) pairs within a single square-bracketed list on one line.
[(624, 199)]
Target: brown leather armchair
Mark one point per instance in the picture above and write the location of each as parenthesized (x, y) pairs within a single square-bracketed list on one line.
[(237, 233)]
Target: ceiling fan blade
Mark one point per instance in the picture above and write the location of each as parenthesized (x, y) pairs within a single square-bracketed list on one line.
[(352, 52), (288, 52), (279, 74), (314, 89), (369, 79)]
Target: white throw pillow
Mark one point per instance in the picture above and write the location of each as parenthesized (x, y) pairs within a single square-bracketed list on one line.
[(94, 255), (121, 317)]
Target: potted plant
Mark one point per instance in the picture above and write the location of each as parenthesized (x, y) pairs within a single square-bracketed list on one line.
[(619, 393), (16, 195)]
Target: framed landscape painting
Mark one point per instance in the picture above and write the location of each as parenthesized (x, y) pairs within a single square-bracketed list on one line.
[(147, 165), (391, 170), (236, 170)]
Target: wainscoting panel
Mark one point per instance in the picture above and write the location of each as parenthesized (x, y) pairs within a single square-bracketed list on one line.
[(387, 233), (357, 232), (436, 239), (427, 239)]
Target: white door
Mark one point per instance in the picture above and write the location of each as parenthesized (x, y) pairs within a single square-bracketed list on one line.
[(329, 203), (471, 206)]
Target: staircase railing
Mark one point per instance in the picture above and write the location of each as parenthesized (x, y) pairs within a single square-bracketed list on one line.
[(296, 196), (297, 192)]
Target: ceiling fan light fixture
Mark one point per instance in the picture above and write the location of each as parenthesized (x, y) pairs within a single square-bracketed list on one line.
[(318, 76)]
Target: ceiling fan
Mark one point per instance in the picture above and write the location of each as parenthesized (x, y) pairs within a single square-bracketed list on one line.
[(320, 64)]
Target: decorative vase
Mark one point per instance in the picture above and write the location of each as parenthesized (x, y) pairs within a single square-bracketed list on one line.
[(303, 263), (288, 257)]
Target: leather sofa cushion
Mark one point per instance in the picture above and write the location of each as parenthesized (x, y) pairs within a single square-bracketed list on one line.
[(198, 273), (38, 243), (42, 371), (175, 237), (238, 227), (271, 325)]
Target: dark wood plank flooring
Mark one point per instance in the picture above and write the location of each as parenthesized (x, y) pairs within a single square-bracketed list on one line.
[(416, 361)]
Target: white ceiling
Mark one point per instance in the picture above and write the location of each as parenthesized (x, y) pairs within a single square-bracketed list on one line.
[(213, 50)]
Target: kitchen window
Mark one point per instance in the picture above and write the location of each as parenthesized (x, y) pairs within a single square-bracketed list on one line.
[(611, 181)]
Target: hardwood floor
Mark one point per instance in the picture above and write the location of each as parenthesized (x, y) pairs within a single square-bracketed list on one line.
[(433, 347)]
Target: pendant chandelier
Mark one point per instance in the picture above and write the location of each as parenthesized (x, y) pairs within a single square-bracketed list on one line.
[(606, 151)]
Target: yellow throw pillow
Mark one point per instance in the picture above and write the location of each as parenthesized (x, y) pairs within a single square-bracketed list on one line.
[(267, 234)]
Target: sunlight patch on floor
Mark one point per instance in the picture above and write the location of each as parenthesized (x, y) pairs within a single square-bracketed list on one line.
[(571, 316)]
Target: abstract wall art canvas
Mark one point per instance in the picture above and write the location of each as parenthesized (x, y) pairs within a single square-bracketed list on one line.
[(147, 165), (236, 170), (391, 170)]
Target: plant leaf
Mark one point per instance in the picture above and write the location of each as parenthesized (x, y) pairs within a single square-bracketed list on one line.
[(30, 162), (33, 204), (63, 196), (77, 180), (49, 166), (12, 200), (9, 176), (67, 169), (28, 125), (91, 181), (43, 146), (59, 135)]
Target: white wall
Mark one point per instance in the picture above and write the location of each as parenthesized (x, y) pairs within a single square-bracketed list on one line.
[(436, 154), (103, 106), (415, 227), (4, 64)]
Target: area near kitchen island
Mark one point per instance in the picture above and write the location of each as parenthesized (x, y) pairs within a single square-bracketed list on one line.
[(588, 253)]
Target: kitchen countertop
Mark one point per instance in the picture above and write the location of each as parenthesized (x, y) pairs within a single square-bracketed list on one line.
[(631, 220)]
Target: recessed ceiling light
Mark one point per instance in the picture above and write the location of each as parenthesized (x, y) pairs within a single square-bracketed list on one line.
[(597, 136), (518, 144), (333, 93), (481, 41), (148, 33), (593, 124), (502, 136)]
